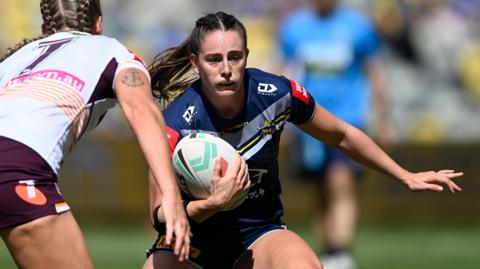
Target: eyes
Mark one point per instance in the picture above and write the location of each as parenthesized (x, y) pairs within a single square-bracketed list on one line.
[(234, 57)]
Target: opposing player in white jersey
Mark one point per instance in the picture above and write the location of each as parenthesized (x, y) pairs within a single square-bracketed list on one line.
[(52, 91)]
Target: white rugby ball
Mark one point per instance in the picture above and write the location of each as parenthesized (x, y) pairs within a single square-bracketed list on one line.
[(194, 158)]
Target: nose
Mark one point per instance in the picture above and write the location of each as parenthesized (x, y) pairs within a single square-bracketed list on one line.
[(226, 70)]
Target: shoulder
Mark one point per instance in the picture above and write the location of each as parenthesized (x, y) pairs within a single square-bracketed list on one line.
[(186, 103), (122, 55), (267, 85), (107, 44), (101, 39), (257, 77)]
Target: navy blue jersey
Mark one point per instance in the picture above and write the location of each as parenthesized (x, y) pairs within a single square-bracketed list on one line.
[(271, 101)]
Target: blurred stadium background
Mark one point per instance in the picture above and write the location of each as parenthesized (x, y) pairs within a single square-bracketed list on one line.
[(432, 62)]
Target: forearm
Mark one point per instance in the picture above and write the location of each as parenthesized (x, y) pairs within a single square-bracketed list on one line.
[(197, 210), (148, 126), (134, 96), (361, 148), (200, 210)]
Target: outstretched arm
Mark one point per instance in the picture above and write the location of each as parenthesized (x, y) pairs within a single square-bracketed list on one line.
[(326, 127), (134, 96)]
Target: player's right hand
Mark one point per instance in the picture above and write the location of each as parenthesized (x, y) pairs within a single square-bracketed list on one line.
[(228, 187), (177, 227)]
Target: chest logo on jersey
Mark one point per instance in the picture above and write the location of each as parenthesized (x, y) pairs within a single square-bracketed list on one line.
[(189, 114), (268, 128), (266, 88)]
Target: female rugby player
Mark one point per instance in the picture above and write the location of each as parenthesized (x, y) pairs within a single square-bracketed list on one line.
[(52, 90), (206, 87)]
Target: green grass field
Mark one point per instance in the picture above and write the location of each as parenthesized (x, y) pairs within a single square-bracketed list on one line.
[(377, 247)]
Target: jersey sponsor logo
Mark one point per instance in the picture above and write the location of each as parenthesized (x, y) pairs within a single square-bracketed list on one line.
[(189, 114), (27, 191), (172, 137), (299, 92), (58, 75), (266, 88), (256, 175)]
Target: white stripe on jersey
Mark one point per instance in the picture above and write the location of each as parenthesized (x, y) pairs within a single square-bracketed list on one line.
[(53, 90)]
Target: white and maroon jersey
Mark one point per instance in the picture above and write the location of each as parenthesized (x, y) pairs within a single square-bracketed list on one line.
[(55, 89)]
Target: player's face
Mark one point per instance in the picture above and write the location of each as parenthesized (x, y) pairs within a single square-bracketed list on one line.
[(221, 62)]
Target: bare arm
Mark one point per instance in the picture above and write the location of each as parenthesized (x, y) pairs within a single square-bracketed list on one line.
[(353, 142), (134, 96), (224, 189)]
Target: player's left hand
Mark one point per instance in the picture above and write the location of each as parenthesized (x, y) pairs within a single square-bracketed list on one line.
[(431, 180)]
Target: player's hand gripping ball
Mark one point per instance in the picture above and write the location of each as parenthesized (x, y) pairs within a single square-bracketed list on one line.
[(194, 158)]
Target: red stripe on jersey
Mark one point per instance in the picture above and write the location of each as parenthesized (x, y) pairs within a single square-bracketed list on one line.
[(138, 59), (172, 136), (299, 92)]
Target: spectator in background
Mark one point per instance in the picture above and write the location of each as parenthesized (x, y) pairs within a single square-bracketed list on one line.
[(335, 49)]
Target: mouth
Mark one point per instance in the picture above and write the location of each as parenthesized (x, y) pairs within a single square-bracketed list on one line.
[(226, 85)]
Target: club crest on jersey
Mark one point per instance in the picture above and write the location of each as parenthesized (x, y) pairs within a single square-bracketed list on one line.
[(268, 128), (189, 114), (266, 88)]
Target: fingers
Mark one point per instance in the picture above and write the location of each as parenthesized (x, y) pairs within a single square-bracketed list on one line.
[(432, 187), (242, 171), (246, 181), (182, 241), (243, 180), (237, 165), (177, 228), (217, 168), (450, 173), (445, 177), (169, 233), (429, 181)]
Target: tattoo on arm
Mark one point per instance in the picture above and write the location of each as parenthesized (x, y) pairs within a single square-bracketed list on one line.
[(132, 78)]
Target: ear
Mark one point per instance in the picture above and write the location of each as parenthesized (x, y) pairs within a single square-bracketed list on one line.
[(97, 26), (194, 61)]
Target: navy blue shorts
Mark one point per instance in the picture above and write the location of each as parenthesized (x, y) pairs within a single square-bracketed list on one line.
[(218, 242), (22, 201)]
